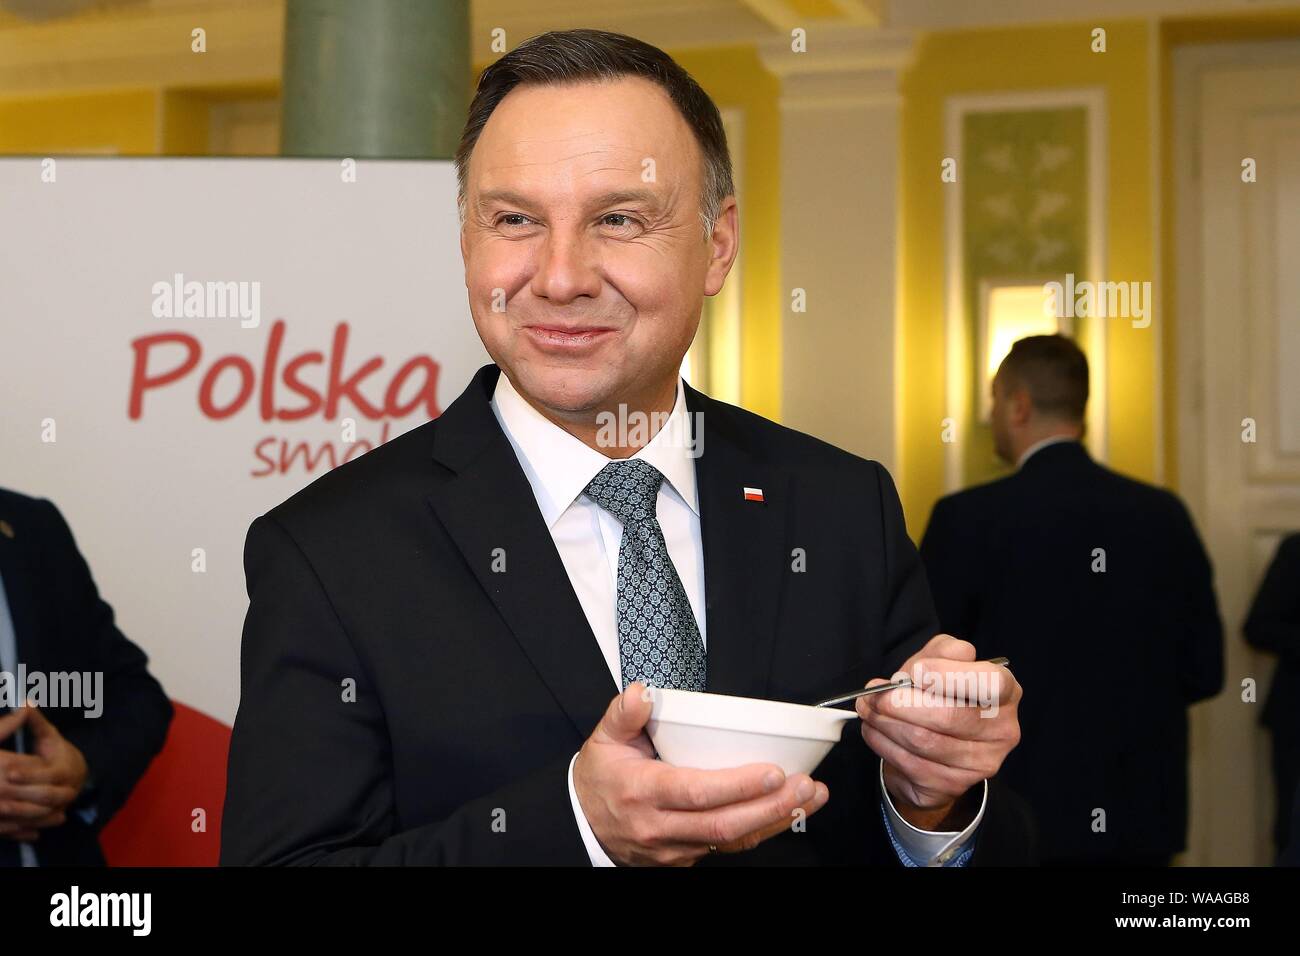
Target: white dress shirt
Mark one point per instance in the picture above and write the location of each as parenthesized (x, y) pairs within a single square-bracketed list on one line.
[(559, 467)]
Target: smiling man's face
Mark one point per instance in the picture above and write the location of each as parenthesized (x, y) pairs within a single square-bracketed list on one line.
[(582, 223)]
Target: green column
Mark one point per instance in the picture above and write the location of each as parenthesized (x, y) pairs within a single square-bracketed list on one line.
[(375, 78)]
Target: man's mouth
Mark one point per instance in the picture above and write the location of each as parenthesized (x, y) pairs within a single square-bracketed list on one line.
[(567, 339)]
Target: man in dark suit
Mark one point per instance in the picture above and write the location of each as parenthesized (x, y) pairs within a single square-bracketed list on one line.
[(1065, 556), (448, 638), (68, 766), (1274, 625)]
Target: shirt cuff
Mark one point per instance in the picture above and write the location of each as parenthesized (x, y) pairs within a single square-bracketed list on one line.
[(916, 847), (594, 850)]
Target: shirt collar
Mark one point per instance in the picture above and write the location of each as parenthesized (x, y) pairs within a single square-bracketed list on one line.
[(1036, 446), (559, 466)]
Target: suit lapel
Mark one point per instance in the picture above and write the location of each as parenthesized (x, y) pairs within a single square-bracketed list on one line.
[(485, 504), (744, 551)]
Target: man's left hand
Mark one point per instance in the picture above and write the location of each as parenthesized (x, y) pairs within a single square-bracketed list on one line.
[(943, 735), (36, 788)]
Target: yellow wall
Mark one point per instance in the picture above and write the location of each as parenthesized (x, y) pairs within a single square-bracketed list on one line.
[(734, 77), (122, 123), (1007, 60)]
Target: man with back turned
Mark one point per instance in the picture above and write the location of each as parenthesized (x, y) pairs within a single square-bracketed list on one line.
[(1063, 561)]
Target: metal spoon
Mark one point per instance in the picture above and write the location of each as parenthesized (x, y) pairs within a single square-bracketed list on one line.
[(881, 688)]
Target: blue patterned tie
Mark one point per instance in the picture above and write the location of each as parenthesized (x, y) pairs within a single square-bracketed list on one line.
[(659, 642)]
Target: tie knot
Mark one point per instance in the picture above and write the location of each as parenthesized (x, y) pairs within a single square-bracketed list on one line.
[(627, 489)]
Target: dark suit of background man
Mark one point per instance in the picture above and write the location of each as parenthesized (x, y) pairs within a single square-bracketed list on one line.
[(1274, 625), (76, 771), (447, 638), (1016, 567)]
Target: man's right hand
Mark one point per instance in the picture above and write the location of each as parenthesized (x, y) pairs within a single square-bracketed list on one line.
[(647, 812)]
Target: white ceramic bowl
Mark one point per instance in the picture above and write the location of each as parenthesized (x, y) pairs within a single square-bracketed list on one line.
[(716, 732)]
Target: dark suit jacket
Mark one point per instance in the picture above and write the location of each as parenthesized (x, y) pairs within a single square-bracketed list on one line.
[(1274, 625), (1290, 855), (62, 624), (474, 689), (1109, 661)]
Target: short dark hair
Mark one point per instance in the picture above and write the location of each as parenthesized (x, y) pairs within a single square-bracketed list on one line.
[(1053, 370), (576, 56)]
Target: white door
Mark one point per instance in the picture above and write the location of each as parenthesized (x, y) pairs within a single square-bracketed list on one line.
[(1238, 335)]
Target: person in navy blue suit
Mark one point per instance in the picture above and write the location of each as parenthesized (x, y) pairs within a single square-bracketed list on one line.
[(1274, 625), (65, 770), (1065, 557), (423, 677)]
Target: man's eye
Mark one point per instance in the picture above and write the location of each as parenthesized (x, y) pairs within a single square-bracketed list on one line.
[(518, 219), (626, 220)]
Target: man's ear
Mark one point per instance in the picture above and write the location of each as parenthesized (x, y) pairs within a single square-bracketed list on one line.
[(1022, 406), (724, 246)]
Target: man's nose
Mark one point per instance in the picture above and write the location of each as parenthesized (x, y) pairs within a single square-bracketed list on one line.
[(566, 267)]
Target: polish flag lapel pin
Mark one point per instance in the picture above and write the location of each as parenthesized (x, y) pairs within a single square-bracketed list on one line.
[(753, 494)]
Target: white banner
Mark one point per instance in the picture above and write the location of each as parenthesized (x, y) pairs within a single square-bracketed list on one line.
[(185, 343)]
